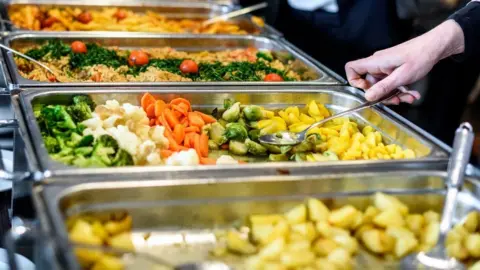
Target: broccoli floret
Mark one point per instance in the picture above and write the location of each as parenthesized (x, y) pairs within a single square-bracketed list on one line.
[(83, 151), (51, 144), (80, 128), (105, 148), (57, 119), (83, 99), (37, 109), (80, 112), (67, 159), (86, 141), (92, 162), (123, 158), (74, 140)]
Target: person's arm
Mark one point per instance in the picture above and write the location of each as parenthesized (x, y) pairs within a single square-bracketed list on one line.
[(408, 62)]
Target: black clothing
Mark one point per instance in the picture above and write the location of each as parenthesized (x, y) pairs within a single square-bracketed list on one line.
[(469, 20)]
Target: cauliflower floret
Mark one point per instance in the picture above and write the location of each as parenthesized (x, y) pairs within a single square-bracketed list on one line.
[(110, 121), (135, 113), (145, 148), (157, 135), (154, 159), (93, 123), (226, 160), (96, 133), (126, 139), (112, 104), (183, 158)]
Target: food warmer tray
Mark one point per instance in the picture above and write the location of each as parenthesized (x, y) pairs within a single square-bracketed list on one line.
[(187, 42), (185, 214), (394, 129)]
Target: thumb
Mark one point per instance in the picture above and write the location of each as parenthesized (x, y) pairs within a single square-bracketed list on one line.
[(395, 79)]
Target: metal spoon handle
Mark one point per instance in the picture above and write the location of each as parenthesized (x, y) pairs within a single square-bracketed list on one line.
[(26, 57), (365, 105), (235, 13), (462, 148)]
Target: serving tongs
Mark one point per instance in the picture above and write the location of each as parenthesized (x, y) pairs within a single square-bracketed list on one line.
[(234, 14), (29, 59), (437, 257), (27, 229)]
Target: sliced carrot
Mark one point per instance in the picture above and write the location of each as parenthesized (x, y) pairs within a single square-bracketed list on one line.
[(224, 146), (204, 144), (179, 109), (153, 122), (164, 153), (195, 119), (150, 111), (183, 148), (179, 133), (188, 141), (207, 118), (207, 161), (172, 144), (177, 114), (192, 129), (159, 107), (164, 123), (185, 107), (158, 122), (196, 145), (178, 101), (146, 100), (170, 118), (184, 121)]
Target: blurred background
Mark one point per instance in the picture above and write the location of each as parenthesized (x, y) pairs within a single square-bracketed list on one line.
[(361, 27)]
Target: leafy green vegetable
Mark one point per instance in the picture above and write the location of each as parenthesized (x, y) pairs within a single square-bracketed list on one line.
[(97, 55), (53, 48), (265, 55)]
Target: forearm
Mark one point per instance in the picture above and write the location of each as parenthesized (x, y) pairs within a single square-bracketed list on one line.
[(468, 19)]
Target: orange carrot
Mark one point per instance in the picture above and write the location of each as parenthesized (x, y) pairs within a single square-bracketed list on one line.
[(164, 153), (179, 133), (150, 110), (178, 101), (207, 161), (182, 148), (158, 122), (192, 129), (188, 141), (204, 145), (164, 123), (185, 107), (177, 114), (196, 145), (195, 119), (184, 121), (207, 118), (146, 100), (170, 118), (152, 121), (224, 146), (179, 109), (159, 107), (172, 144)]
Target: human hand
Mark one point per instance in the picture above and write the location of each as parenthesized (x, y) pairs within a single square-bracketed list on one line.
[(405, 64)]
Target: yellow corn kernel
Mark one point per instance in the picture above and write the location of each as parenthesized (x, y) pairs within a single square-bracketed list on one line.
[(306, 119), (359, 137), (366, 130), (398, 149), (398, 156), (298, 127), (390, 148), (371, 141), (378, 137)]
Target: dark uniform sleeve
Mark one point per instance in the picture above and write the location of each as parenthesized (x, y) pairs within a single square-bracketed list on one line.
[(469, 20)]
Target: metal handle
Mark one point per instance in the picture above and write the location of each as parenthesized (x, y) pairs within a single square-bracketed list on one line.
[(462, 149), (8, 123), (20, 229), (26, 57), (235, 13)]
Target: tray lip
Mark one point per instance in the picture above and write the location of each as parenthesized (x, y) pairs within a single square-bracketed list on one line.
[(50, 202), (327, 76), (22, 102)]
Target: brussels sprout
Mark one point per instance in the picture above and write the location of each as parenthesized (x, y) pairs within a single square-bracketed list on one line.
[(254, 134), (303, 147), (206, 128), (242, 122), (222, 122), (227, 103), (255, 149), (272, 148), (216, 133), (212, 145), (252, 113), (298, 157), (278, 157), (235, 131), (330, 155), (237, 148), (285, 149), (253, 124), (233, 113)]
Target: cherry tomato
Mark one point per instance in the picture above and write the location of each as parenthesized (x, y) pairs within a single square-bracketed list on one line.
[(120, 14), (97, 77), (79, 47), (188, 66), (49, 22), (52, 78), (138, 58), (84, 17), (273, 77)]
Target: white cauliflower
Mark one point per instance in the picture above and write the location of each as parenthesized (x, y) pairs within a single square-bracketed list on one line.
[(183, 158), (226, 160), (144, 149), (126, 139), (154, 159), (157, 134), (94, 122)]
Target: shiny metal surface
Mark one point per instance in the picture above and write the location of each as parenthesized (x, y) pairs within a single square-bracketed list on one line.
[(183, 216), (235, 13), (290, 138), (27, 57), (393, 127), (188, 42)]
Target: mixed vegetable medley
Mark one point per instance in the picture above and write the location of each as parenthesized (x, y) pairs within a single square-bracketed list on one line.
[(85, 134), (311, 235), (90, 62)]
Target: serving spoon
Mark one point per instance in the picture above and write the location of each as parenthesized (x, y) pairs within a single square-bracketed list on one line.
[(292, 138), (437, 257), (29, 59), (235, 13)]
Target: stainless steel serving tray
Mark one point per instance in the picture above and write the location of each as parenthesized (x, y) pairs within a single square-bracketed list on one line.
[(393, 127), (180, 9), (188, 42), (182, 216)]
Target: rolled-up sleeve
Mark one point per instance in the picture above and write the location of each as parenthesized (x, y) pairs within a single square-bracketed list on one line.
[(469, 20)]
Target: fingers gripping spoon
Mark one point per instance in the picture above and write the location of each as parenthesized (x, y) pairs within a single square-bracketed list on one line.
[(437, 257)]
